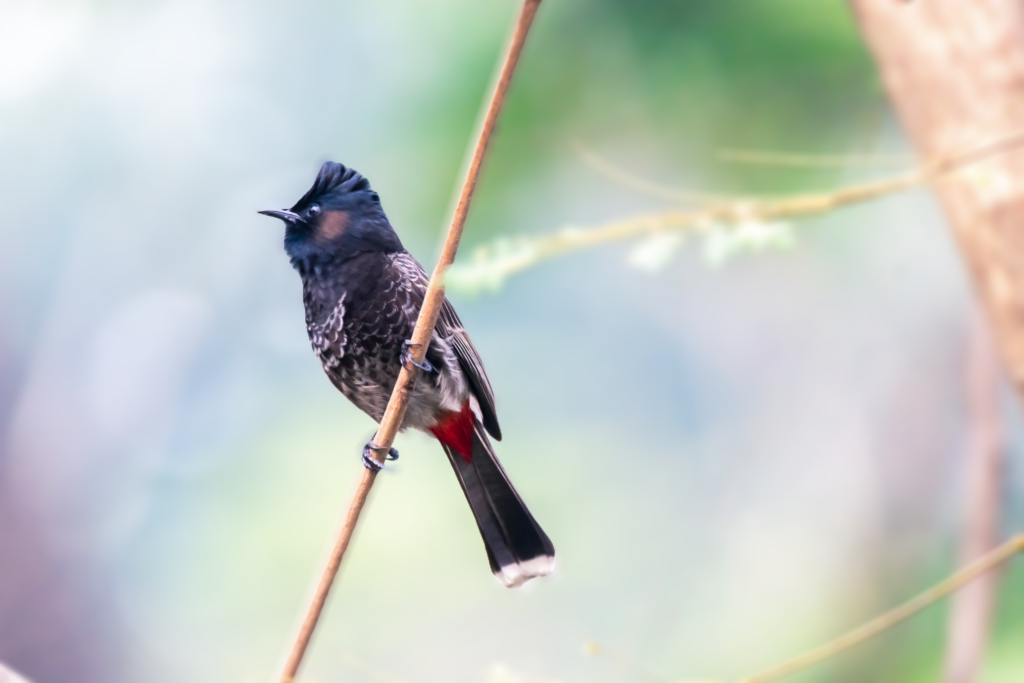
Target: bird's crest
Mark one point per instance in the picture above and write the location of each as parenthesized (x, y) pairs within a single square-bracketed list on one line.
[(333, 178)]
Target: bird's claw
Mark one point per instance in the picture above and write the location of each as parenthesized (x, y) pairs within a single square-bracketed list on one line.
[(370, 462), (407, 357)]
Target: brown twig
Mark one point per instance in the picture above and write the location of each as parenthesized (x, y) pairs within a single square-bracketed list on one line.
[(971, 608), (422, 333), (976, 569)]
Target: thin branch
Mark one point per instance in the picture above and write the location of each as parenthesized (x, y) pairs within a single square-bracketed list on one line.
[(428, 314), (492, 263), (735, 156), (972, 572), (978, 568), (764, 157), (641, 185)]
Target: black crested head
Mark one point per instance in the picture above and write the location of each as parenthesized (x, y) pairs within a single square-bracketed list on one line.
[(339, 217), (333, 179)]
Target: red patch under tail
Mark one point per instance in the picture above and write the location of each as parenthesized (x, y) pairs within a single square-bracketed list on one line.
[(455, 430)]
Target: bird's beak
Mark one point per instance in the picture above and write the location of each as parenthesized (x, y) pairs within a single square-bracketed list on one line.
[(286, 216)]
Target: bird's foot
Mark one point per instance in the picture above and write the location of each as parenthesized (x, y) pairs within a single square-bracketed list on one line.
[(407, 357), (370, 462)]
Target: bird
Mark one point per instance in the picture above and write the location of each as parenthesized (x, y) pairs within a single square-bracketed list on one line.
[(362, 292)]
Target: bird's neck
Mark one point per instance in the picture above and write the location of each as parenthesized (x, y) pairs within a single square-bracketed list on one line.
[(314, 265), (325, 280), (321, 278)]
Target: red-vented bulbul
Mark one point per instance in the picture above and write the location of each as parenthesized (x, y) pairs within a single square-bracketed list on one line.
[(362, 292)]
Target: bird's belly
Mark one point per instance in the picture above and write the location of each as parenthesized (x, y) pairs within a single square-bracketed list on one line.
[(368, 382)]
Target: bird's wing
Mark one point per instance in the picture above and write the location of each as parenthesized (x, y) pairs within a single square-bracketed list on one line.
[(449, 328)]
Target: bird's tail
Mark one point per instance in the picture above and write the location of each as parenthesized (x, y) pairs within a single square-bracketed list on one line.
[(517, 547)]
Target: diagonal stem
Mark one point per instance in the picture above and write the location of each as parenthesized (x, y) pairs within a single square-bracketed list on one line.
[(429, 312), (974, 570)]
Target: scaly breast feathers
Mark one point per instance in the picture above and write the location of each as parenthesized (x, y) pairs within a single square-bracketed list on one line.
[(328, 337)]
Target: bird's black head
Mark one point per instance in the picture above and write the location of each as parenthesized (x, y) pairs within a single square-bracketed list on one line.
[(338, 218)]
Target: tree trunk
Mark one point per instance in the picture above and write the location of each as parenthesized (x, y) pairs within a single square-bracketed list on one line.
[(954, 70)]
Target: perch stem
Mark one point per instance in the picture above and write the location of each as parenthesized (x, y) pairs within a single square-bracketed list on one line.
[(428, 314)]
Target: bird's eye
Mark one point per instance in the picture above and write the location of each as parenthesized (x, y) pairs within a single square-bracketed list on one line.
[(375, 197), (313, 210)]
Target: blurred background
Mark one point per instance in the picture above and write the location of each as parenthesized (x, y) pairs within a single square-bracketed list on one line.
[(735, 462)]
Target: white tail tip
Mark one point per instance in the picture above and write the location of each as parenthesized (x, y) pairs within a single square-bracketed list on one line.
[(514, 575)]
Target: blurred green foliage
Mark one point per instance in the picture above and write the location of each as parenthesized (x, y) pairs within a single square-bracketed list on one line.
[(686, 79)]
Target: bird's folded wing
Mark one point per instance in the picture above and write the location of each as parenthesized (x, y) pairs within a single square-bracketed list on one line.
[(450, 328)]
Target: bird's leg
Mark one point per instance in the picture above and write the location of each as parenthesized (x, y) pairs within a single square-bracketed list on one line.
[(370, 462), (406, 356)]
